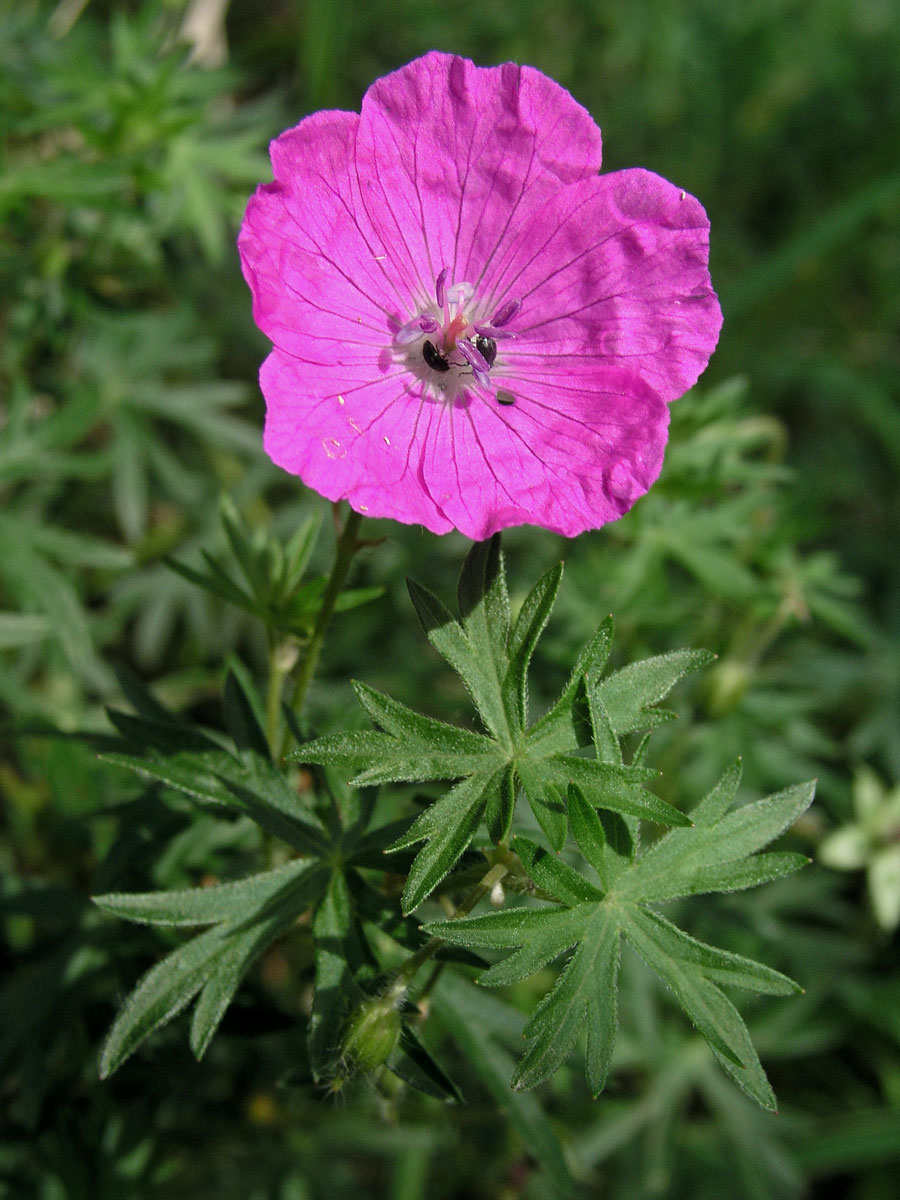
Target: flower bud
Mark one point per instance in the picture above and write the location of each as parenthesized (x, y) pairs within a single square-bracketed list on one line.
[(371, 1034)]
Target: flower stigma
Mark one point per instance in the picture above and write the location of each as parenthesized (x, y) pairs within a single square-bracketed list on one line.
[(449, 345)]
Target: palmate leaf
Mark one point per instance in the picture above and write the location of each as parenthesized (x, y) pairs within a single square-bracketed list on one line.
[(719, 853), (491, 654), (245, 916), (248, 915)]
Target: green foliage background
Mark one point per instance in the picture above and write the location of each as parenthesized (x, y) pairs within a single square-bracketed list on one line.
[(129, 405)]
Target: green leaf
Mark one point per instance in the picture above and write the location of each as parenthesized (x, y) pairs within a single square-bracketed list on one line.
[(335, 991), (20, 629), (157, 745), (228, 970), (162, 993), (479, 1024), (711, 1012), (212, 965), (718, 853), (240, 718), (206, 905), (627, 694), (216, 777), (216, 581), (412, 1062), (733, 970), (584, 996), (530, 624), (563, 726), (553, 875), (487, 770), (448, 825), (484, 608), (405, 724)]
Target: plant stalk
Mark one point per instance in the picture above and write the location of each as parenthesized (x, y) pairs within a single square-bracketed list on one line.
[(347, 545), (406, 973)]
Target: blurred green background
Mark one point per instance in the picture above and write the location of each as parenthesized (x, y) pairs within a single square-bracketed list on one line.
[(131, 136)]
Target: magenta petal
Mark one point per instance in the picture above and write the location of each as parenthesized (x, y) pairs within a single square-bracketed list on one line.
[(316, 268), (363, 443), (569, 455), (455, 155), (615, 270)]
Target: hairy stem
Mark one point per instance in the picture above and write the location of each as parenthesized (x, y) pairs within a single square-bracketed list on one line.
[(347, 545), (282, 657), (406, 973)]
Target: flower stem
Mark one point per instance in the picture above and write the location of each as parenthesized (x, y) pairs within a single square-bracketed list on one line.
[(347, 545), (405, 975), (282, 657)]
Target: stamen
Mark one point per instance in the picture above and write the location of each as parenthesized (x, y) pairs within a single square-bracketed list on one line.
[(439, 286), (413, 330), (505, 313), (473, 357), (460, 293), (490, 331)]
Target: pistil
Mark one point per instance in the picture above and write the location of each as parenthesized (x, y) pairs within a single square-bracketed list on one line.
[(451, 339)]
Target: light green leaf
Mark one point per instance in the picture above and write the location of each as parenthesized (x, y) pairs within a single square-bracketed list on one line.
[(492, 660), (206, 905), (163, 992), (627, 694), (718, 853), (20, 629), (715, 855), (530, 624), (584, 996), (733, 970), (711, 1012)]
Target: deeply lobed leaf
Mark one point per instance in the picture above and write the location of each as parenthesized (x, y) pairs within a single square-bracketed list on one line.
[(719, 852)]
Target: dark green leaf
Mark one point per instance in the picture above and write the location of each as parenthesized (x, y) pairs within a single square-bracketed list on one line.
[(240, 718), (477, 1023)]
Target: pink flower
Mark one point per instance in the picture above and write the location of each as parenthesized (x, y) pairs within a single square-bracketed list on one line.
[(472, 328)]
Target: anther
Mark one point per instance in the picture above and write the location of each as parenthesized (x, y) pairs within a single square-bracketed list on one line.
[(439, 286), (474, 357), (413, 330), (505, 313)]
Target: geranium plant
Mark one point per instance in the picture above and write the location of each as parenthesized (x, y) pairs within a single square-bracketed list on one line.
[(472, 329)]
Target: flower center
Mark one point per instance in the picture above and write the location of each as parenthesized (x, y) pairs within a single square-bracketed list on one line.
[(449, 345)]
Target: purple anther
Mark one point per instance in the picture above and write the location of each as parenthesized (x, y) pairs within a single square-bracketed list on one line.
[(414, 329), (505, 314), (474, 358), (489, 331), (439, 286)]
